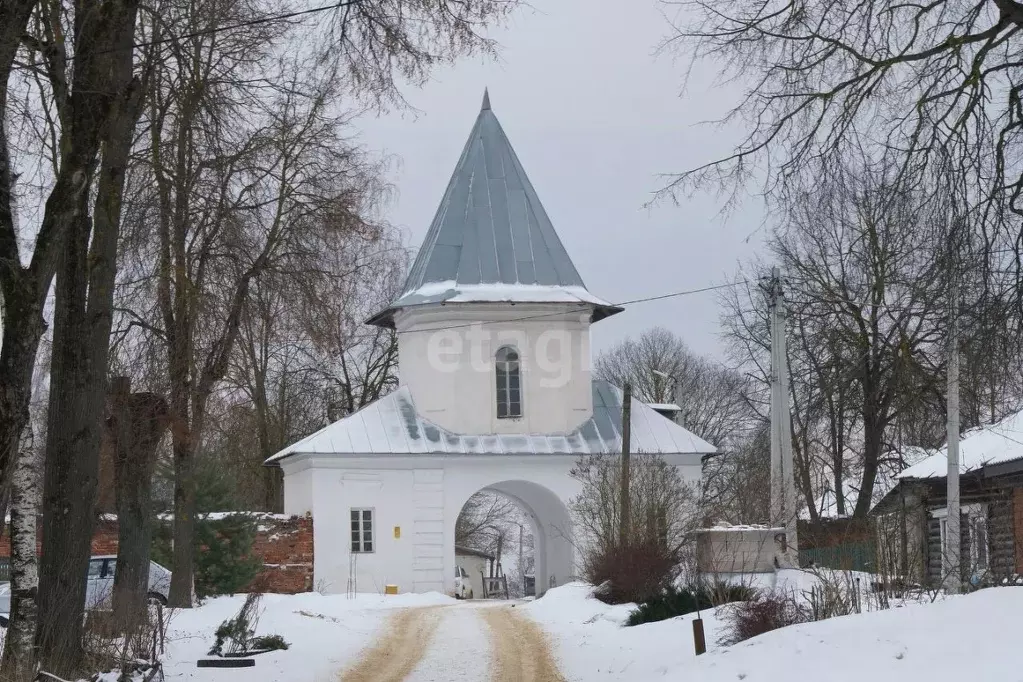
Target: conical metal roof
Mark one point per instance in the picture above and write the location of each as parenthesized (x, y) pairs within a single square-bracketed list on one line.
[(491, 239)]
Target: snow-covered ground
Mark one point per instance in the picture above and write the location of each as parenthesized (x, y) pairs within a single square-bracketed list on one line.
[(592, 643), (326, 633), (963, 638), (969, 637)]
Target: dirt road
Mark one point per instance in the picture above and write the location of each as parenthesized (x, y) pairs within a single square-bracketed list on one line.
[(393, 658), (464, 642), (519, 649)]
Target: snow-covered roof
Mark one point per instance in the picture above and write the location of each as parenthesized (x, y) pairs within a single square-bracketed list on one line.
[(491, 239), (391, 425), (665, 407), (461, 550), (992, 444), (735, 528), (451, 291), (885, 482)]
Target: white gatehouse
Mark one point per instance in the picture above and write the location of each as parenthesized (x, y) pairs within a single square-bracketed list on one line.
[(495, 394)]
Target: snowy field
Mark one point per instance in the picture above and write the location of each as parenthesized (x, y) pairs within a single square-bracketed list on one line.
[(969, 637), (973, 637)]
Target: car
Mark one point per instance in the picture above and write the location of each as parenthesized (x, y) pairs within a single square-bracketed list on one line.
[(463, 587), (100, 585)]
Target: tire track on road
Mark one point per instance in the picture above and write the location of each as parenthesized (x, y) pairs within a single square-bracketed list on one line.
[(519, 648), (393, 658)]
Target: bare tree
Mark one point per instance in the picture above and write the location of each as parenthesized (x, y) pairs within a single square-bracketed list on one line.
[(934, 84), (357, 362), (712, 397), (78, 86), (83, 314), (663, 505), (135, 427), (485, 521), (737, 483), (23, 287), (866, 258), (647, 554), (19, 644), (251, 172)]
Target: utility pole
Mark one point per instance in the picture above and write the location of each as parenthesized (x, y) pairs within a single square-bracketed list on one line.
[(783, 482), (626, 520), (953, 576), (522, 566)]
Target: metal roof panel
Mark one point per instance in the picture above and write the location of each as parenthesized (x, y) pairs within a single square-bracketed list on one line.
[(391, 426), (490, 228)]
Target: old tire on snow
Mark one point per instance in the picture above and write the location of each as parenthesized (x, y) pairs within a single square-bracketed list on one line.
[(225, 663)]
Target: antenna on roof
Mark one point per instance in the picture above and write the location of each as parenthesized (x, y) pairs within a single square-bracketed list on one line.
[(486, 100)]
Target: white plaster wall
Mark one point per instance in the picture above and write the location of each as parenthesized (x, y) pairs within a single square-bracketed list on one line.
[(450, 371), (336, 491), (298, 490), (423, 495)]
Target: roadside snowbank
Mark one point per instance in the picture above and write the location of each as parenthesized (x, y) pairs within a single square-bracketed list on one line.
[(592, 643), (325, 633), (968, 637)]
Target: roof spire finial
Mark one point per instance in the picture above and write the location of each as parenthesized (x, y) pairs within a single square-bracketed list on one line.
[(486, 100)]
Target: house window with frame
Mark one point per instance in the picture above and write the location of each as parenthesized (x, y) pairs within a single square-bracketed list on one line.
[(509, 383), (362, 531), (973, 529)]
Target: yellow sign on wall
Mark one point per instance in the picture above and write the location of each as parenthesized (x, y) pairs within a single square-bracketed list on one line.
[(397, 532)]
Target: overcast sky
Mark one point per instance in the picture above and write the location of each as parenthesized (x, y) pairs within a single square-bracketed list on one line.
[(594, 116)]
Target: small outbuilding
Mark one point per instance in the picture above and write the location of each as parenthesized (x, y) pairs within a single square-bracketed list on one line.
[(477, 564)]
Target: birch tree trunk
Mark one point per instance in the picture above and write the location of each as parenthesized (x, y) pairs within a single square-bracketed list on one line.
[(23, 324), (19, 650)]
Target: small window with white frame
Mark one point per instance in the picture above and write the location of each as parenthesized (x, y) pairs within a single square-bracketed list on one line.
[(973, 529), (362, 531)]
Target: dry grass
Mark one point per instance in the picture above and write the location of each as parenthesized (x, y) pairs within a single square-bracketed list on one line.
[(519, 649), (394, 657)]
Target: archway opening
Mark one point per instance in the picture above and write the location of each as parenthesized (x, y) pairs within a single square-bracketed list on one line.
[(512, 538)]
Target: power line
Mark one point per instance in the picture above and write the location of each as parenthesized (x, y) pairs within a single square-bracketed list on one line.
[(645, 299)]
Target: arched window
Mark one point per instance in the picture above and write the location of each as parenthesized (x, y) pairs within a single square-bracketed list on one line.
[(509, 383)]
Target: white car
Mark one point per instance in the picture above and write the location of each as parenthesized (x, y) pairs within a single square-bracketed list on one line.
[(100, 585), (463, 588)]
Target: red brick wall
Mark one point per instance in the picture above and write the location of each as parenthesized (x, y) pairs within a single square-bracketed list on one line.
[(286, 547), (104, 539), (285, 544)]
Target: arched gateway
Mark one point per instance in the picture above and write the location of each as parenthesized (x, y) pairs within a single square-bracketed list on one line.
[(495, 394)]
